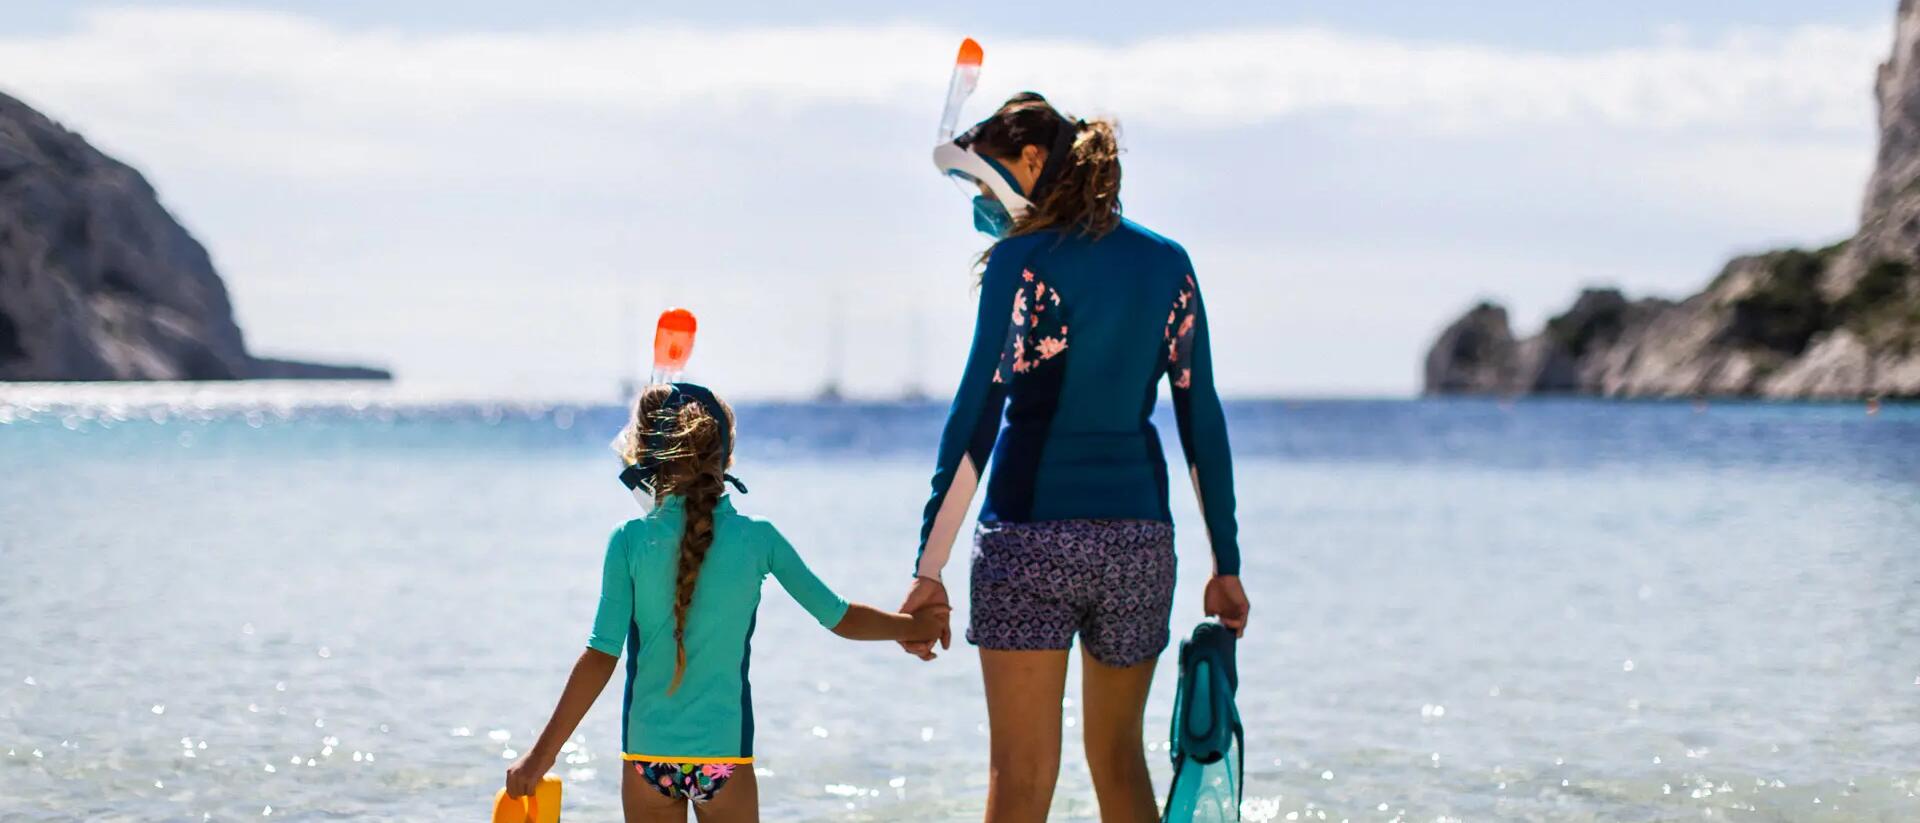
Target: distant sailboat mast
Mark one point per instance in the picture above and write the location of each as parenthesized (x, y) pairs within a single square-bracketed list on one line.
[(915, 389), (833, 389), (629, 347)]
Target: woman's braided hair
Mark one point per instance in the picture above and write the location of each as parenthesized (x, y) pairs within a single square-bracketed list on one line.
[(693, 466)]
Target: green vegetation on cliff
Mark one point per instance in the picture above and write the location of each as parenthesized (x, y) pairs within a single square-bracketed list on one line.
[(1785, 310)]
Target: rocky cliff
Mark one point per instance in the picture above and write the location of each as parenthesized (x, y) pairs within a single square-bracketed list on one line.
[(1839, 322), (99, 282)]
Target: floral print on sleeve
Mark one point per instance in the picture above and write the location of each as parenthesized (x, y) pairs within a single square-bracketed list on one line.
[(1038, 331), (1179, 336)]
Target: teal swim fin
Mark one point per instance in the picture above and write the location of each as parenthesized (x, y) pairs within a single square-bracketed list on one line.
[(1206, 742)]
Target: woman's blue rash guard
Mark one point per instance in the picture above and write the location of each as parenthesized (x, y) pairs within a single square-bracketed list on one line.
[(1072, 338)]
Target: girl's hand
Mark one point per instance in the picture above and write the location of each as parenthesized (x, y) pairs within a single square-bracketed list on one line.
[(524, 775), (929, 622), (1225, 599), (926, 591)]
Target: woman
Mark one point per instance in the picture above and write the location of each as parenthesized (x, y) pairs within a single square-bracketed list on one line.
[(1081, 314)]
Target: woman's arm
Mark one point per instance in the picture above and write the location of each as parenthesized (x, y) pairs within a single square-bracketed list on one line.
[(590, 675), (1203, 438), (864, 622), (1203, 426), (973, 421)]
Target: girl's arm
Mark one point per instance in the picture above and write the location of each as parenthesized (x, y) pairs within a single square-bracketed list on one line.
[(864, 622), (611, 622), (854, 621), (590, 675)]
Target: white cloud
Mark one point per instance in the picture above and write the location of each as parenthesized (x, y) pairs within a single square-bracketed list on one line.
[(131, 63)]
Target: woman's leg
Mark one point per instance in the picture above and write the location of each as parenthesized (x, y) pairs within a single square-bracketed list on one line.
[(1023, 716), (736, 802), (1114, 699), (644, 803)]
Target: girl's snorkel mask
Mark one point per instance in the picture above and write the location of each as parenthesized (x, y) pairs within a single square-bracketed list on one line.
[(642, 478), (672, 346), (993, 214)]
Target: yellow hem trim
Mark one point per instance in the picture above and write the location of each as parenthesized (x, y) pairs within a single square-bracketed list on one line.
[(652, 758)]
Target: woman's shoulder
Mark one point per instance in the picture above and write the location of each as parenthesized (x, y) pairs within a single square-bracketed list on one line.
[(1128, 238), (1147, 238), (1014, 252)]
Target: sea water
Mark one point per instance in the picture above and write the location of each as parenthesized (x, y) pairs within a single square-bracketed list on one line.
[(217, 604)]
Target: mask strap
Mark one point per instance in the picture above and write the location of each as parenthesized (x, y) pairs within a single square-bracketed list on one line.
[(1057, 156), (634, 477)]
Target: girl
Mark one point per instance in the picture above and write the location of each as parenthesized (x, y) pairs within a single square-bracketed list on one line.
[(679, 592), (1082, 314)]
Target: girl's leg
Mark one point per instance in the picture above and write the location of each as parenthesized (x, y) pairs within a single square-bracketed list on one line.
[(1023, 713), (737, 802), (644, 803), (1114, 700)]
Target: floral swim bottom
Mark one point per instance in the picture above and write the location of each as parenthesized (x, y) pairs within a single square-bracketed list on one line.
[(697, 782), (1036, 585)]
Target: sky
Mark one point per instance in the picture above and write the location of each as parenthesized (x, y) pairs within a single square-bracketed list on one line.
[(496, 202)]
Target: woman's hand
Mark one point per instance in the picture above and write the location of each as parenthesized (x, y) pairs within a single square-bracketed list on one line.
[(1225, 599), (524, 775), (930, 622), (927, 591), (864, 622)]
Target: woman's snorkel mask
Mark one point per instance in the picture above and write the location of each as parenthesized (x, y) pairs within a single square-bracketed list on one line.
[(993, 214), (643, 478)]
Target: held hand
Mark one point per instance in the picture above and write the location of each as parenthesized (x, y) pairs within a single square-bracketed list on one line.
[(524, 775), (929, 622), (927, 591), (1225, 599)]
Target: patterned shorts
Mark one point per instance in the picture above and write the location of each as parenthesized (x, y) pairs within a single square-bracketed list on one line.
[(1036, 584), (697, 782)]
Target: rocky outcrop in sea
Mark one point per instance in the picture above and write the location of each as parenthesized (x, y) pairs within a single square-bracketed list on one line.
[(1832, 323), (99, 282)]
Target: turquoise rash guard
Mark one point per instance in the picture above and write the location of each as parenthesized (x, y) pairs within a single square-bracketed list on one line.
[(709, 719), (1072, 339)]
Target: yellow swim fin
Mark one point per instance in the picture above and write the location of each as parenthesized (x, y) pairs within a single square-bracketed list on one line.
[(543, 806)]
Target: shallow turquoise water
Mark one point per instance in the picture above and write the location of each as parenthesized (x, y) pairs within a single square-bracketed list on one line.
[(1554, 610)]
